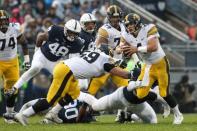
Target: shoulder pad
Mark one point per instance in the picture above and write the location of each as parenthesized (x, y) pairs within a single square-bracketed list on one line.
[(151, 29), (103, 33)]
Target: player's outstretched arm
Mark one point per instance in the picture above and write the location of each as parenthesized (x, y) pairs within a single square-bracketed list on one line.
[(22, 40)]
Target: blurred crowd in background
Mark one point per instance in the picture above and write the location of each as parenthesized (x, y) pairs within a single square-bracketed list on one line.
[(37, 15)]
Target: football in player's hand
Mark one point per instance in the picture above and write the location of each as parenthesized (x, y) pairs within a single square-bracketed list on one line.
[(125, 51)]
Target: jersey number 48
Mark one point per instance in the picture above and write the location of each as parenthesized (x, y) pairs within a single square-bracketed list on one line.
[(58, 50)]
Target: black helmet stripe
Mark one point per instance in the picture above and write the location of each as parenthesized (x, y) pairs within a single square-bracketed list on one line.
[(75, 25), (90, 16)]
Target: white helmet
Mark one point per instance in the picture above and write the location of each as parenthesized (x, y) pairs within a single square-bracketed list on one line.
[(85, 18), (72, 26)]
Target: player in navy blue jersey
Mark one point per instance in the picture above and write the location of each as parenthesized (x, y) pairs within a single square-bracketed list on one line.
[(51, 46), (68, 114), (88, 34)]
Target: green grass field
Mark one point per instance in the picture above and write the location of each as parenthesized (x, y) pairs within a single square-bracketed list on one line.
[(106, 123)]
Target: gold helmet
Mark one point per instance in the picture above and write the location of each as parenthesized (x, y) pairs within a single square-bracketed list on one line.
[(114, 15), (134, 20), (4, 20)]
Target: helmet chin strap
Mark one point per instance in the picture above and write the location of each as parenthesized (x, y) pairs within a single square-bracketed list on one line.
[(89, 31), (137, 29)]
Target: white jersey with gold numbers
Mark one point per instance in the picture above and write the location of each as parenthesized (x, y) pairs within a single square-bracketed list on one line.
[(8, 42), (89, 64), (146, 33)]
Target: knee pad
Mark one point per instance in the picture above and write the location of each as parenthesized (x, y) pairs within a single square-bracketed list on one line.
[(41, 105)]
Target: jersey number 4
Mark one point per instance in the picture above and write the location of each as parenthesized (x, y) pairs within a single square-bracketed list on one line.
[(11, 43), (58, 50)]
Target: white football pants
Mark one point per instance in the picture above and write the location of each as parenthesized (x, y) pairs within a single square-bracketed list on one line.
[(39, 62), (116, 100)]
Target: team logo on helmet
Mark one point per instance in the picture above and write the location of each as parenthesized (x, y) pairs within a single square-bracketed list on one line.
[(134, 20)]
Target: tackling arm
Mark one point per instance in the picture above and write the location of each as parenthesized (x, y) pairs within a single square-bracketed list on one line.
[(22, 40), (40, 39)]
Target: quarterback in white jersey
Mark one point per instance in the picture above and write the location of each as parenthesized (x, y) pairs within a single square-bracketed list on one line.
[(10, 36), (144, 40), (64, 87)]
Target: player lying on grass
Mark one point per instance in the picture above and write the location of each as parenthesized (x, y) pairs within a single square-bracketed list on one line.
[(68, 114), (121, 98)]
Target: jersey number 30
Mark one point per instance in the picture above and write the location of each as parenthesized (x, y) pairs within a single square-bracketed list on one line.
[(71, 110), (11, 43)]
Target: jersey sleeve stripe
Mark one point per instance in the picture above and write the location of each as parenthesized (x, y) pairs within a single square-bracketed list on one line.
[(152, 31)]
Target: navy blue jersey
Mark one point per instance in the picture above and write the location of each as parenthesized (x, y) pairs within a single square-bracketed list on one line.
[(87, 39), (70, 113), (57, 46)]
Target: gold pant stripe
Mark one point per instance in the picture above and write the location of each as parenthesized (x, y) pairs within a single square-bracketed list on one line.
[(89, 83), (62, 87)]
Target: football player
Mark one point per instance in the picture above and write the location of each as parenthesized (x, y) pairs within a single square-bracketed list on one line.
[(144, 40), (68, 114), (51, 46), (121, 98), (64, 88), (110, 34), (10, 36), (88, 34)]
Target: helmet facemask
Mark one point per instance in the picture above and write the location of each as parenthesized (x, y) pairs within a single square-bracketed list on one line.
[(133, 28), (133, 23), (4, 21), (72, 29), (88, 22), (70, 35), (89, 26), (114, 21), (114, 15)]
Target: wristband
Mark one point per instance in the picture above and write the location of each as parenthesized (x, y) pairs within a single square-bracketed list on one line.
[(26, 58), (142, 49)]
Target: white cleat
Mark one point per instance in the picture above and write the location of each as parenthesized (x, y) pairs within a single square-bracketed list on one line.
[(178, 118), (10, 121), (21, 118), (166, 109), (9, 117), (53, 117)]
